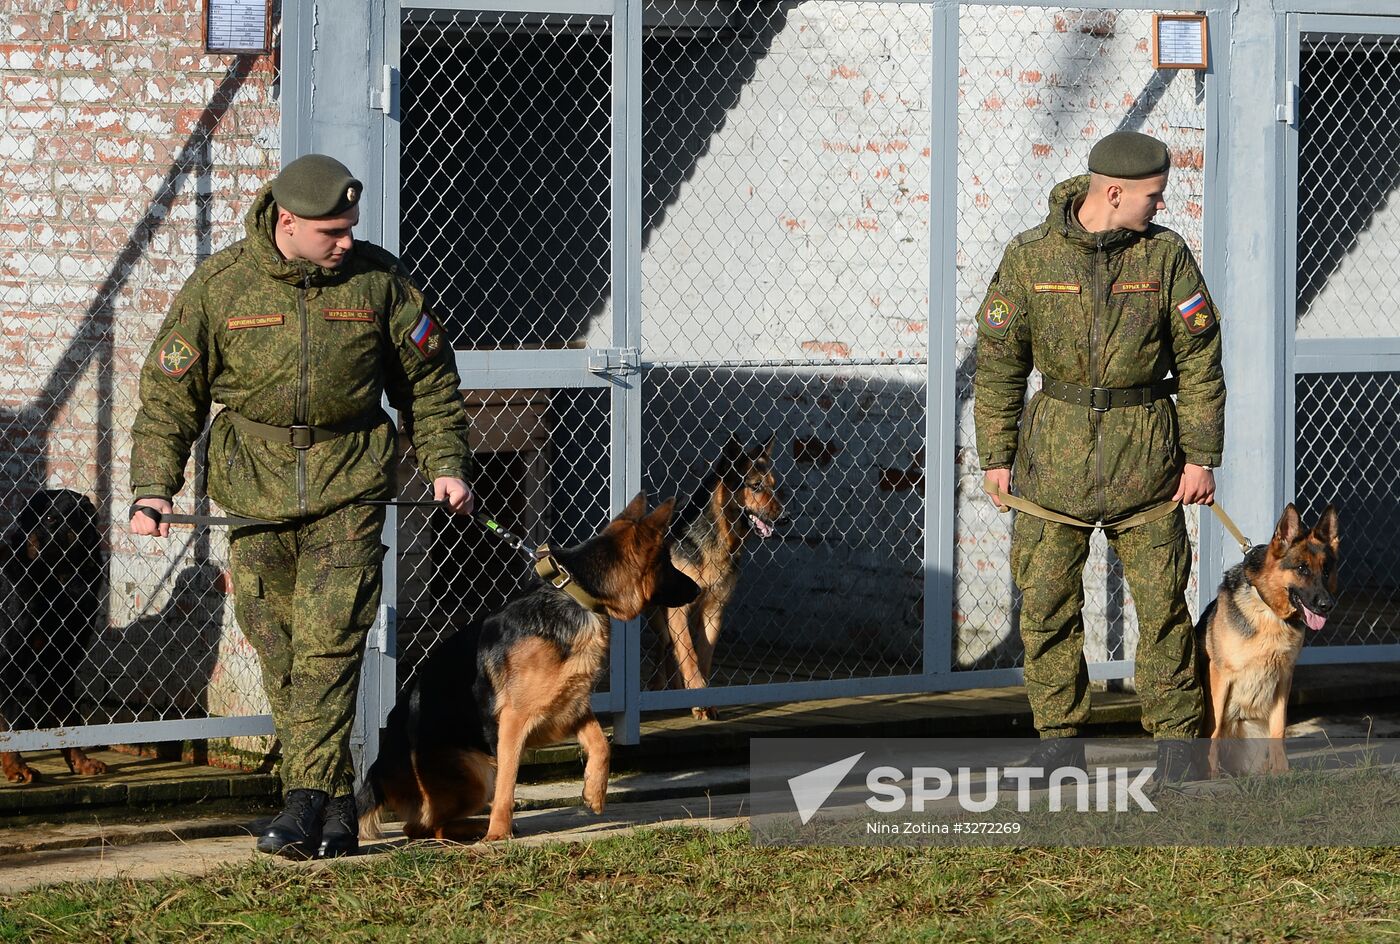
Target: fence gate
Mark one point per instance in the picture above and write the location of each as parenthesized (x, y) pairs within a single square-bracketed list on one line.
[(1344, 168), (502, 193)]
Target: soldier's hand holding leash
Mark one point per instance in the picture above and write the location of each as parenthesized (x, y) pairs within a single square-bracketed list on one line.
[(455, 493), (142, 523), (1196, 487), (995, 483)]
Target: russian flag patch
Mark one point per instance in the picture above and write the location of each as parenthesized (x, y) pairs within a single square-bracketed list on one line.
[(1196, 313), (425, 337)]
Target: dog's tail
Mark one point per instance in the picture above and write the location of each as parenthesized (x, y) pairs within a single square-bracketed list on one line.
[(369, 800)]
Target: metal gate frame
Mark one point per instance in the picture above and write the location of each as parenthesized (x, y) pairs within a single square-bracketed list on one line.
[(1321, 355)]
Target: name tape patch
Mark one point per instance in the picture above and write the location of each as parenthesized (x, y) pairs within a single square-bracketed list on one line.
[(1145, 285), (1065, 288), (348, 314), (255, 321)]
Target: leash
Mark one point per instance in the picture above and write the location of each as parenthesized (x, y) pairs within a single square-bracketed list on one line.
[(542, 559), (1143, 517), (232, 521)]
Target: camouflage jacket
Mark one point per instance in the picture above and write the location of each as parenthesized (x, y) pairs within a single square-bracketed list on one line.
[(288, 342), (1111, 309)]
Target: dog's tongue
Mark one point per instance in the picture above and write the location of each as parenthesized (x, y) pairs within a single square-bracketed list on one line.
[(1314, 620), (764, 528)]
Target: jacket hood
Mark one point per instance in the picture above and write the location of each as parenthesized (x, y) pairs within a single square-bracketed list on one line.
[(259, 224), (1065, 198)]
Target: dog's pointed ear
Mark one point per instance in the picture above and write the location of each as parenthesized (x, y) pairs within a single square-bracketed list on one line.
[(733, 449), (1326, 529), (1287, 530), (768, 446), (637, 508), (660, 517)]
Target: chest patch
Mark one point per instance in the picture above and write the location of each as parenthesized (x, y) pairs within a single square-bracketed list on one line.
[(255, 321), (1143, 285), (349, 314), (177, 355), (1060, 288), (1196, 313), (998, 314)]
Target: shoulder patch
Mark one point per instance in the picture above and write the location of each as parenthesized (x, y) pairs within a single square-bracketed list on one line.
[(426, 337), (997, 314), (177, 355), (1196, 312)]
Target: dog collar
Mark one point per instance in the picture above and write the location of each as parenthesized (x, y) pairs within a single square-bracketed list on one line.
[(558, 577)]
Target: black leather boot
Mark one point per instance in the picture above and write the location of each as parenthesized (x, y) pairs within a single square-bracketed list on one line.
[(1050, 755), (295, 833), (340, 836), (1177, 761)]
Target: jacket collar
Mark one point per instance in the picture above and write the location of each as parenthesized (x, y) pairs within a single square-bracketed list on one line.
[(1063, 219)]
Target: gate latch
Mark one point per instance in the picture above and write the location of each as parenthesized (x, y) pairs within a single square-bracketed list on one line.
[(614, 360)]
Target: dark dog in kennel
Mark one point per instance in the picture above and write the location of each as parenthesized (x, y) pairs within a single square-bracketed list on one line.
[(52, 558)]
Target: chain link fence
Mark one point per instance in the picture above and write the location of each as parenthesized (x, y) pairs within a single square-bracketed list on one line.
[(128, 157), (505, 222), (1347, 432), (785, 304)]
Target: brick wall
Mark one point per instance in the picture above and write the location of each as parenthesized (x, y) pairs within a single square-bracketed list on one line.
[(126, 155)]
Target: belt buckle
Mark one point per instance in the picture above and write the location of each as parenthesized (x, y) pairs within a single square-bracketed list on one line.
[(302, 437), (1094, 399)]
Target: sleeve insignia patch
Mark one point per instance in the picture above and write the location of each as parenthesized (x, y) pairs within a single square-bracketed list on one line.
[(177, 355), (1065, 288), (1145, 285), (1196, 313), (255, 321), (998, 313), (426, 337)]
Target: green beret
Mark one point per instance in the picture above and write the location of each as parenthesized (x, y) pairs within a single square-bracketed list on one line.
[(1129, 155), (316, 186)]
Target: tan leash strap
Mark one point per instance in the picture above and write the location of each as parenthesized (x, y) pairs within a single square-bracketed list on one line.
[(1235, 532), (1142, 517), (1153, 513)]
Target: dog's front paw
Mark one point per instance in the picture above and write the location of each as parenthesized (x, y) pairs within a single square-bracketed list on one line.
[(88, 767), (20, 773), (596, 798), (705, 714)]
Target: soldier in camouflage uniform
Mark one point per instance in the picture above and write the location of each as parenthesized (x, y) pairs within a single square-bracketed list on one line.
[(299, 330), (1106, 305)]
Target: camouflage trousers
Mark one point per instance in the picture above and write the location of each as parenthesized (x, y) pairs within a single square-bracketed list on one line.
[(306, 595), (1047, 563)]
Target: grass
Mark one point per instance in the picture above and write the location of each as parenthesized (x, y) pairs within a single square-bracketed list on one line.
[(693, 885)]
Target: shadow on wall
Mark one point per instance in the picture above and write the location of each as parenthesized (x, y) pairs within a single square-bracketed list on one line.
[(160, 664), (25, 433), (489, 189)]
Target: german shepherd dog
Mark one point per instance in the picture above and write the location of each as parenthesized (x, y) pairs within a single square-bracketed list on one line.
[(518, 679), (52, 557), (737, 498), (1251, 634)]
